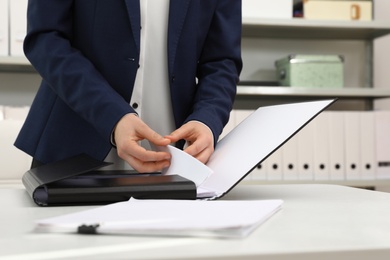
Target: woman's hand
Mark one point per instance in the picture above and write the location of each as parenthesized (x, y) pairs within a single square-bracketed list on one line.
[(127, 134)]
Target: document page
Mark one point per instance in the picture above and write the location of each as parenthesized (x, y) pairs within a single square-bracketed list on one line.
[(254, 139), (169, 217)]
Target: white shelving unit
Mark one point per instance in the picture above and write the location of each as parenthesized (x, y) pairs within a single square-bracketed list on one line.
[(363, 94), (287, 29)]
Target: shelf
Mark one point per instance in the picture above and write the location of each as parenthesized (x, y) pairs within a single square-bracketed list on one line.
[(344, 93), (354, 183), (15, 64), (299, 28)]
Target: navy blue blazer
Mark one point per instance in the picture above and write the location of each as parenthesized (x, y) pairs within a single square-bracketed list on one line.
[(87, 53)]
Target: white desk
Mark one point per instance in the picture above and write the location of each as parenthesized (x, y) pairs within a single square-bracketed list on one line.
[(316, 222)]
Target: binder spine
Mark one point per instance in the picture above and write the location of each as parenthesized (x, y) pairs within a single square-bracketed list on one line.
[(30, 182)]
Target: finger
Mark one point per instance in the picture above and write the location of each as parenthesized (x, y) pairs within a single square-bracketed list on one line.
[(143, 160), (200, 149), (194, 148), (133, 149), (150, 135), (204, 155), (145, 167), (181, 133)]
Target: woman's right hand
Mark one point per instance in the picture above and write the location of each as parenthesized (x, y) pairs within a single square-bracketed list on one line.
[(127, 134)]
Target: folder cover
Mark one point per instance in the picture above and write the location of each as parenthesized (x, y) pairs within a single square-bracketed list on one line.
[(251, 142), (76, 181)]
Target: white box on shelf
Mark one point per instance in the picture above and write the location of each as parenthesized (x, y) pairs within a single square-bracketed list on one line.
[(4, 49), (18, 26), (267, 9), (337, 10)]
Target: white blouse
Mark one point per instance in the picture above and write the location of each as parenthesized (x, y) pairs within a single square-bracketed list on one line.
[(151, 95)]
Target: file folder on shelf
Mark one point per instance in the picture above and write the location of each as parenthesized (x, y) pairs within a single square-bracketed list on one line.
[(382, 130), (274, 166), (367, 145), (321, 147), (336, 145), (4, 25), (259, 173), (306, 153), (352, 145), (18, 28), (290, 159)]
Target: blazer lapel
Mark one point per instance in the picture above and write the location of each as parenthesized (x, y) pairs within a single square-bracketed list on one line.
[(177, 13), (134, 11)]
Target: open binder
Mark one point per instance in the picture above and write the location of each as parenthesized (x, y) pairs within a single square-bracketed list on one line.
[(75, 181)]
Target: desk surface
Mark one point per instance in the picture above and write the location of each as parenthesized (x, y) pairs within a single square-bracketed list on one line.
[(316, 222)]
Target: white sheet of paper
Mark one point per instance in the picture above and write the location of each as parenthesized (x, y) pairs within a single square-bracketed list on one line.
[(185, 165), (169, 217)]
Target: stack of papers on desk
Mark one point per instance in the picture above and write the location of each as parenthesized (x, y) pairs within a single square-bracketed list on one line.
[(222, 218)]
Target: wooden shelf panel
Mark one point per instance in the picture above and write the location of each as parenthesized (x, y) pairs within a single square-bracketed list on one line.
[(314, 29), (354, 183), (345, 93)]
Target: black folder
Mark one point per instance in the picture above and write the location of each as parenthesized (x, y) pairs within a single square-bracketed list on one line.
[(77, 181)]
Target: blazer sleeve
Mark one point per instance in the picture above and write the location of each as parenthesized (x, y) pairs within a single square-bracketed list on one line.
[(219, 67), (74, 79)]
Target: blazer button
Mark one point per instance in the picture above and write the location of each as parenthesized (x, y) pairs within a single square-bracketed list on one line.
[(173, 78), (135, 105)]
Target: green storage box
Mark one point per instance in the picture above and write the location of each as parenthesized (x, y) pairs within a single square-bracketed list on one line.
[(313, 71)]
